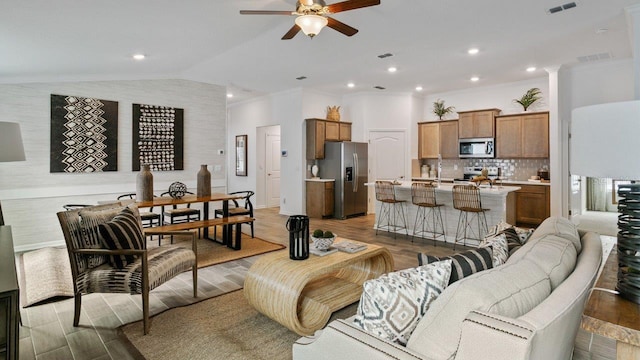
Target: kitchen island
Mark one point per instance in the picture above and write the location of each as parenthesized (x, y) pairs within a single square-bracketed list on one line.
[(500, 200)]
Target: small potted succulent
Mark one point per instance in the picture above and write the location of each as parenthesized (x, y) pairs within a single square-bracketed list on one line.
[(322, 240), (532, 95), (441, 110)]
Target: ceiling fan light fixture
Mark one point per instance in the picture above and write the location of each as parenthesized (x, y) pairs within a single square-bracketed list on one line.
[(311, 25)]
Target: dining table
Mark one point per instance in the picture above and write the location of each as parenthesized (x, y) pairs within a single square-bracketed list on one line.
[(163, 201)]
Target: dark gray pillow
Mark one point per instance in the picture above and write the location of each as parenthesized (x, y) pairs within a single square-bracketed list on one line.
[(463, 264), (122, 232)]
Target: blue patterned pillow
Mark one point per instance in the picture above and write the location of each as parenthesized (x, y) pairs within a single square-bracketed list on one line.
[(124, 231), (392, 305)]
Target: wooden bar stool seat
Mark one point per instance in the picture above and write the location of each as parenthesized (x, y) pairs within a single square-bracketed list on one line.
[(428, 217)]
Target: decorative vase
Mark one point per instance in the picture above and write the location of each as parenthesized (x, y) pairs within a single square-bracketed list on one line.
[(204, 182), (144, 184), (298, 227), (314, 171)]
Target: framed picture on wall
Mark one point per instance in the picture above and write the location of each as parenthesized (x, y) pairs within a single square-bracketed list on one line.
[(241, 155)]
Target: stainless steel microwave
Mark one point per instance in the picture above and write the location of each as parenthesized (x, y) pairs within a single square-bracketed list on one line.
[(477, 148)]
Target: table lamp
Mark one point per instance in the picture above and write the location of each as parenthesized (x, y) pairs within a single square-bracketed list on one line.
[(11, 148), (604, 144)]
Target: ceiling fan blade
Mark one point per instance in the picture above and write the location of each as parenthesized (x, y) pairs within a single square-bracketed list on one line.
[(291, 33), (265, 12), (341, 27), (350, 5)]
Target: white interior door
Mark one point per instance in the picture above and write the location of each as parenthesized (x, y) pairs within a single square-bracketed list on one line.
[(273, 170), (387, 158)]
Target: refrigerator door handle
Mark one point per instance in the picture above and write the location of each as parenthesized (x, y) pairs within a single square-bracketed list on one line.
[(357, 170)]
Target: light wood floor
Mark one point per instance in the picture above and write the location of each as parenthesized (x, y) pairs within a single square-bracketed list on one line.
[(47, 332)]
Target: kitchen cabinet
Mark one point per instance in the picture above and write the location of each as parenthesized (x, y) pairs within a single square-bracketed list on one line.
[(320, 197), (532, 205), (320, 130), (477, 123), (9, 297), (438, 137), (522, 135)]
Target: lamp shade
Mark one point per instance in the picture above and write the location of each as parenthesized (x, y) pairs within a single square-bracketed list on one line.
[(604, 141), (11, 148), (311, 24)]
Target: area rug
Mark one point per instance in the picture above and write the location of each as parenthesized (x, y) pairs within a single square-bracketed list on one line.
[(45, 274), (225, 327)]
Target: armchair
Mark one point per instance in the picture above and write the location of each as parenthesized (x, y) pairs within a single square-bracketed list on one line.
[(145, 269)]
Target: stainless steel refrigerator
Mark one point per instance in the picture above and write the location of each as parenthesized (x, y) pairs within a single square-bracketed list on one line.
[(347, 162)]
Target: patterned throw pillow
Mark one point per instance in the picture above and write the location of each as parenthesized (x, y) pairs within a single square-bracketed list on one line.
[(392, 305), (123, 232), (514, 240), (499, 246), (523, 233), (464, 263)]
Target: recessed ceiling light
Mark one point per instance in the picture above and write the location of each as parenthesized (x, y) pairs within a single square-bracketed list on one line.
[(418, 88), (473, 51), (139, 56), (229, 95), (351, 84), (392, 69), (531, 69), (474, 78)]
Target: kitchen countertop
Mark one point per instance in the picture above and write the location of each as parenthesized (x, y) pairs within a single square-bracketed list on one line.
[(514, 182), (320, 180), (484, 189)]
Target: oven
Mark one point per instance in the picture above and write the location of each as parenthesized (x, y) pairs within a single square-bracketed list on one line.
[(476, 148)]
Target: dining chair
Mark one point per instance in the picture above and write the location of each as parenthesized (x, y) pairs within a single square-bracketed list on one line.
[(108, 254), (178, 215), (240, 207)]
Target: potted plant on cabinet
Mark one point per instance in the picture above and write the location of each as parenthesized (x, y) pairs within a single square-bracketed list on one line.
[(441, 110), (531, 96)]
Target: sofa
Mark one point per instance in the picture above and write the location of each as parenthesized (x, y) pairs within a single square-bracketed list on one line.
[(528, 308)]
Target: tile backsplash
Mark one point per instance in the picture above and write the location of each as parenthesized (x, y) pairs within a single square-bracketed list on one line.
[(514, 169)]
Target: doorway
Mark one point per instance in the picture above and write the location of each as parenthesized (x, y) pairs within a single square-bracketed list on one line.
[(268, 166), (387, 158)]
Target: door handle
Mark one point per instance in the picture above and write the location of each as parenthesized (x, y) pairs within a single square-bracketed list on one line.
[(357, 168)]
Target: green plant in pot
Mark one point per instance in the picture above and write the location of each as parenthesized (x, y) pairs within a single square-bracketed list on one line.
[(322, 240), (441, 110), (531, 96)]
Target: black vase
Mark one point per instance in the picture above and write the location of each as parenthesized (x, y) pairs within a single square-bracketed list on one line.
[(298, 226)]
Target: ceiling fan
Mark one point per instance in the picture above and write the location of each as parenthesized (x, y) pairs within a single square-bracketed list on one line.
[(312, 16)]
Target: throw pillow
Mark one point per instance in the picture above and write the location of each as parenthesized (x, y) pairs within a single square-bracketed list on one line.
[(500, 248), (523, 233), (464, 263), (123, 232), (392, 305), (90, 219)]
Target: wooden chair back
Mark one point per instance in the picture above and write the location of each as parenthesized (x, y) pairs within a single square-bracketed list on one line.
[(466, 198), (423, 194), (385, 191)]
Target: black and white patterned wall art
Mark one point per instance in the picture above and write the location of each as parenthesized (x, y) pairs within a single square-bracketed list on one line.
[(158, 137), (84, 134)]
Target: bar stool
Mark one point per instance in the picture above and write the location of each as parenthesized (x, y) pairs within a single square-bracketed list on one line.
[(391, 209), (423, 195), (466, 198)]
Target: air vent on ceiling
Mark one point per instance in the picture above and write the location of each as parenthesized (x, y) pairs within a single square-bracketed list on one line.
[(594, 57), (301, 77), (559, 8), (379, 87), (385, 55)]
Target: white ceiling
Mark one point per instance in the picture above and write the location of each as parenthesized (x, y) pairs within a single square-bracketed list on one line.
[(208, 41)]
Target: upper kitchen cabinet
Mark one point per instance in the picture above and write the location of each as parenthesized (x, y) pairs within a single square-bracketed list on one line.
[(320, 130), (522, 135), (477, 123), (438, 137)]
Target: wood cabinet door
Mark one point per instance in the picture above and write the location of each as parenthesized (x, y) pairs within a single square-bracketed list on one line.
[(535, 136), (465, 126), (315, 139), (483, 124), (328, 199), (332, 131), (449, 140), (345, 132), (428, 140), (508, 138), (532, 204)]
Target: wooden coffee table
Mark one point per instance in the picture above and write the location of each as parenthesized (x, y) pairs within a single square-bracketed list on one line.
[(302, 294)]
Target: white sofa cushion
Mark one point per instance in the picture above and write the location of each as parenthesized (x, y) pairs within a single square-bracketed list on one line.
[(561, 227), (509, 290), (392, 305)]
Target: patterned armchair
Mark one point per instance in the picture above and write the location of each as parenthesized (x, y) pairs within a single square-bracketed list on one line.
[(108, 254)]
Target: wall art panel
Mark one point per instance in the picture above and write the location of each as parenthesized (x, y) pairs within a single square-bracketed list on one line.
[(84, 134), (158, 133)]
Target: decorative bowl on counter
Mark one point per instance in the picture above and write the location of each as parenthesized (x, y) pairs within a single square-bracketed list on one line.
[(322, 240)]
